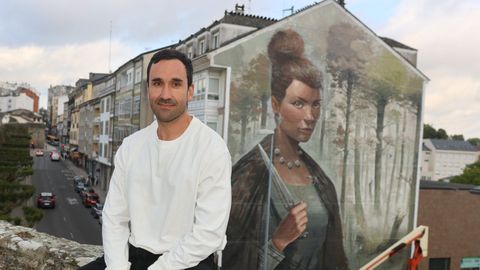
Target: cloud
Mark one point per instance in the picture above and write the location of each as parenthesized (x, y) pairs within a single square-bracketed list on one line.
[(444, 34), (52, 65), (54, 22)]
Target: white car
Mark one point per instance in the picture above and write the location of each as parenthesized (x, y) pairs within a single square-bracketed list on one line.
[(55, 156)]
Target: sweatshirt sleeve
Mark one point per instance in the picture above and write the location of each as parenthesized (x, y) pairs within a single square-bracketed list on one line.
[(210, 221), (115, 217)]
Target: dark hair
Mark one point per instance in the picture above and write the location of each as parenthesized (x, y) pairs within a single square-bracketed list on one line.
[(170, 54), (286, 52)]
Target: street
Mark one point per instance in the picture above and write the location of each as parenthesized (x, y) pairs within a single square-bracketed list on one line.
[(69, 219)]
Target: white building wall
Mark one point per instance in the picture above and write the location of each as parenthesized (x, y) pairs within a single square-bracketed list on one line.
[(441, 164), (106, 130), (10, 103), (451, 163), (60, 104)]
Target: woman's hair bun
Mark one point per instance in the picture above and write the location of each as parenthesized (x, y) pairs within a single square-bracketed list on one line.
[(285, 45)]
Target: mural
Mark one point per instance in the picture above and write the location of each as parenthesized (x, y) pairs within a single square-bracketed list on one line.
[(324, 132)]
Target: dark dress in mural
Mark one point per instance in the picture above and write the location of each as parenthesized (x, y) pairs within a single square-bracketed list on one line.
[(246, 232)]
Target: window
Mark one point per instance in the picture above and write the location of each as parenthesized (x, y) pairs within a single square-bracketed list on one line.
[(190, 52), (216, 40), (200, 87), (138, 75), (107, 105), (213, 88), (201, 47), (107, 127), (439, 264)]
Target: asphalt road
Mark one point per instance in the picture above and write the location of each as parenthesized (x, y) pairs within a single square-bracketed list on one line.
[(69, 219)]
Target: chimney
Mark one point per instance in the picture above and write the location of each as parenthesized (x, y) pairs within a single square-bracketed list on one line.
[(341, 3), (239, 9)]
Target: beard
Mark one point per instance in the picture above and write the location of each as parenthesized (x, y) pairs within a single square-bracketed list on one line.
[(168, 115)]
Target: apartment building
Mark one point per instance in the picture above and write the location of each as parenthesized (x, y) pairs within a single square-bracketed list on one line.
[(104, 94), (210, 81), (443, 159), (54, 92)]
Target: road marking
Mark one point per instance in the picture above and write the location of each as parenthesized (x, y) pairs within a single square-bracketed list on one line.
[(72, 201), (71, 234), (64, 219)]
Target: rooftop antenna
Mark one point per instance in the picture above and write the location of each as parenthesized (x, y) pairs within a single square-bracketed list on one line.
[(110, 50), (288, 9)]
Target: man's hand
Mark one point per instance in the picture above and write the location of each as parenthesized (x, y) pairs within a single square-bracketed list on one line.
[(291, 227)]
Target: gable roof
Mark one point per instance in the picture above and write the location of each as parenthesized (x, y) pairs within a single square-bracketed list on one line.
[(235, 18), (388, 42), (453, 145)]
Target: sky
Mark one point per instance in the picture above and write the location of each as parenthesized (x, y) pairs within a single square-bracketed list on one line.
[(55, 42)]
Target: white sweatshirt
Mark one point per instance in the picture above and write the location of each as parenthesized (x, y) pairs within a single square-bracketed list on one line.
[(176, 195)]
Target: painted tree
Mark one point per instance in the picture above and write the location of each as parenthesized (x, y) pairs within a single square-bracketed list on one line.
[(249, 95), (414, 95), (386, 77), (347, 53)]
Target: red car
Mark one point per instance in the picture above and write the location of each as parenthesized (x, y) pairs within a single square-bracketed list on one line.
[(90, 198), (46, 200)]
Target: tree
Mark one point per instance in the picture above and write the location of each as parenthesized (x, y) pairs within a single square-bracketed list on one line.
[(429, 132), (346, 57), (249, 95), (386, 76), (457, 137), (474, 141), (414, 96), (442, 134), (471, 175)]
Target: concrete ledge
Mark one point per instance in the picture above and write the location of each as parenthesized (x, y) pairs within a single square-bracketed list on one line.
[(25, 248)]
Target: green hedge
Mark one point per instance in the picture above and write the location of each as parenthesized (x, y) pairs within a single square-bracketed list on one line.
[(14, 220), (32, 215)]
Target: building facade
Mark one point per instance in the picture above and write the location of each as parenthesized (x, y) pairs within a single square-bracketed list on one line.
[(104, 94), (451, 213), (54, 92), (443, 159)]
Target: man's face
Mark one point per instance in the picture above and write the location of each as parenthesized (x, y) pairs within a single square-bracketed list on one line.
[(168, 90)]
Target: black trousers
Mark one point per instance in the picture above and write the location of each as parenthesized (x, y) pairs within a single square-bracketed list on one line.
[(141, 259)]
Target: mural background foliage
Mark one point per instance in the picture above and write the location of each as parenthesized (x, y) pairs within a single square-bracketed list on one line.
[(367, 136)]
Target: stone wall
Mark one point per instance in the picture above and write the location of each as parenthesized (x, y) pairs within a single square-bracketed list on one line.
[(24, 248)]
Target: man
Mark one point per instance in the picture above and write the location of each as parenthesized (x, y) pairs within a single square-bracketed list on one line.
[(169, 198)]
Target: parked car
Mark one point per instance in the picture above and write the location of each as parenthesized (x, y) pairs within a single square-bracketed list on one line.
[(77, 179), (81, 186), (39, 153), (90, 198), (55, 156), (82, 192), (46, 200), (96, 210)]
